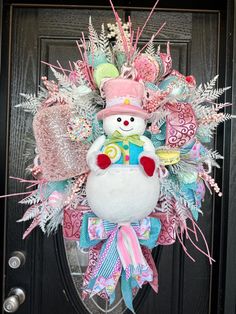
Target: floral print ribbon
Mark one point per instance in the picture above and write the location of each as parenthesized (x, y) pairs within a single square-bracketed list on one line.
[(121, 255)]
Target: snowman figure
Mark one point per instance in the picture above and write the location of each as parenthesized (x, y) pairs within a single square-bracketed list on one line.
[(123, 184)]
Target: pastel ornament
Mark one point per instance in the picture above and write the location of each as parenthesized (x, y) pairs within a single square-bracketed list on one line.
[(123, 185), (178, 86), (147, 68), (79, 129), (153, 68), (103, 71)]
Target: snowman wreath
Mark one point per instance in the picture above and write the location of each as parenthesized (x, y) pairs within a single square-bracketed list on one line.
[(121, 157)]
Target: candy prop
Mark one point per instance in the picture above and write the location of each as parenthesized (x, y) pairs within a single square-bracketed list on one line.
[(120, 157)]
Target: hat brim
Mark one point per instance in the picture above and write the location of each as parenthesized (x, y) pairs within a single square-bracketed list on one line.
[(122, 109)]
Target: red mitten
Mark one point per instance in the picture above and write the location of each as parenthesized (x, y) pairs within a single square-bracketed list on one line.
[(148, 165), (103, 161)]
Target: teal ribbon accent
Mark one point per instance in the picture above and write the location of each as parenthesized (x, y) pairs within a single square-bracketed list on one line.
[(126, 289), (154, 233), (85, 241)]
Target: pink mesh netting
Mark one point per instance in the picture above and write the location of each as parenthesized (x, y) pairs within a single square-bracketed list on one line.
[(60, 157)]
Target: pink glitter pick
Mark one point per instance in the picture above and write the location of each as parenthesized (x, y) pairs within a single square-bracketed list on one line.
[(54, 66), (61, 68), (137, 38), (152, 38), (85, 61), (124, 40), (148, 18)]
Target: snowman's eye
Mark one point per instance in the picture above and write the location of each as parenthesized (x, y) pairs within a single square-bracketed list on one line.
[(119, 119), (132, 119)]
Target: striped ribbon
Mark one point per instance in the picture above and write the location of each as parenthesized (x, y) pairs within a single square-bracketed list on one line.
[(120, 256)]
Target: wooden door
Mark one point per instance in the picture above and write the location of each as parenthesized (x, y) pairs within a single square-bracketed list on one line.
[(49, 34)]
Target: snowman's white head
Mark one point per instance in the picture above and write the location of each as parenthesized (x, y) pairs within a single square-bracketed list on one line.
[(125, 124)]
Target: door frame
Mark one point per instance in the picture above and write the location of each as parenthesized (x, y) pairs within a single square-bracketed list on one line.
[(223, 271)]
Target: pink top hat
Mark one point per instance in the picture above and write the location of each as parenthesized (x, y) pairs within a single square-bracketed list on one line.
[(123, 96)]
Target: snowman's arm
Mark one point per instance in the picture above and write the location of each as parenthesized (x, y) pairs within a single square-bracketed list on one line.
[(147, 146), (97, 145), (93, 152), (148, 159)]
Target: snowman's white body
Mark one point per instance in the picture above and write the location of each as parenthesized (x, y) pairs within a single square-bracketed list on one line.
[(122, 193)]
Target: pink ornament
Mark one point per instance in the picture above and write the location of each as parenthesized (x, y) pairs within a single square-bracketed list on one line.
[(154, 100), (147, 68)]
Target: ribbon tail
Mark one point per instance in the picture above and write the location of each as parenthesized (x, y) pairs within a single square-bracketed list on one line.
[(93, 258), (132, 259), (148, 256), (107, 271), (112, 298), (127, 293)]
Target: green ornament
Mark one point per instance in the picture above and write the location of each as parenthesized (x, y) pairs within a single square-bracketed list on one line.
[(105, 70)]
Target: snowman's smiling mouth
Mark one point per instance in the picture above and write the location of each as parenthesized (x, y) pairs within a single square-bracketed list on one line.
[(127, 129)]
